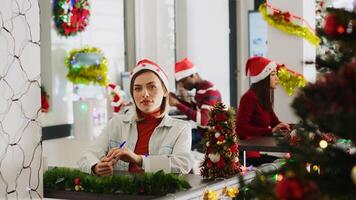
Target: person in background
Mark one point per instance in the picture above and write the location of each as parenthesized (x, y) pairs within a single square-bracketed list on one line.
[(129, 142), (206, 95), (255, 116)]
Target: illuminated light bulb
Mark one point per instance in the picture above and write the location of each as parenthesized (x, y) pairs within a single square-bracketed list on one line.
[(323, 144)]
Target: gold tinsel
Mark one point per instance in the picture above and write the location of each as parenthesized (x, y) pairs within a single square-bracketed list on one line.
[(96, 74), (289, 80), (230, 192), (289, 27), (210, 195)]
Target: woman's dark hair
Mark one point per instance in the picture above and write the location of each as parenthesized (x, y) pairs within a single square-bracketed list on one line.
[(264, 93)]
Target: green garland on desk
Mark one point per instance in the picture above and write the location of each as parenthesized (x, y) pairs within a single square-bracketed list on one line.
[(158, 184)]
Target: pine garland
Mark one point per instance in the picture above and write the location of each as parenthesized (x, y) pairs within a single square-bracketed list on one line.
[(159, 183)]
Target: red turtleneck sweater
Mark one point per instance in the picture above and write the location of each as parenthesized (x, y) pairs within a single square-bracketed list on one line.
[(145, 129)]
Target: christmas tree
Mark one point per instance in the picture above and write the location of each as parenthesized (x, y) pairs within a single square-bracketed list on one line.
[(221, 157), (322, 162)]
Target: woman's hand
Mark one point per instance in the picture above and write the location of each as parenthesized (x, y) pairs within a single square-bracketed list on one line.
[(104, 167), (125, 155), (281, 127)]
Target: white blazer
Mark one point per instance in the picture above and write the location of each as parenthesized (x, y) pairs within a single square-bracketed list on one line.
[(171, 139)]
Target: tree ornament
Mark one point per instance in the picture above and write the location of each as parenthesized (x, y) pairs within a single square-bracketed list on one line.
[(230, 192), (289, 188), (214, 157), (353, 175), (332, 27), (210, 195)]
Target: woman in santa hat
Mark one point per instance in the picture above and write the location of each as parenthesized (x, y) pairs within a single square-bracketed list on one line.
[(255, 115), (137, 139)]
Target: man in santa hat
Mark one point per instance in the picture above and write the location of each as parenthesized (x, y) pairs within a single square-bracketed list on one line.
[(206, 96)]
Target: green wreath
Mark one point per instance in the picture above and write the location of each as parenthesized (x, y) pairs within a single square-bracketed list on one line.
[(70, 16), (87, 65)]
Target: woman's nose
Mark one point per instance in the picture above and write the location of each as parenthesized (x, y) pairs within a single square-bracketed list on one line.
[(145, 93)]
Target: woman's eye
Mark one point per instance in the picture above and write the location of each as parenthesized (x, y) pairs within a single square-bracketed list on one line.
[(151, 87), (137, 89)]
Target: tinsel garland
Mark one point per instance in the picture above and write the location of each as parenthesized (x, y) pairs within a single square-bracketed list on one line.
[(70, 16), (85, 74), (290, 80), (158, 183), (225, 193), (288, 27)]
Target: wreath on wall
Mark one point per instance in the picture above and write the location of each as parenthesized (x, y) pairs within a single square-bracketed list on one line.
[(87, 65), (70, 16)]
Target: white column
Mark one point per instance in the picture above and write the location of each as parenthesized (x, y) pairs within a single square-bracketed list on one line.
[(20, 130), (207, 44), (155, 37), (292, 51)]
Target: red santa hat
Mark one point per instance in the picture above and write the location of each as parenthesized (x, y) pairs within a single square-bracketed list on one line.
[(184, 68), (259, 68), (146, 64)]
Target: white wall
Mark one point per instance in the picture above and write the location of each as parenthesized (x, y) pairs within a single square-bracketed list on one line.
[(20, 131), (242, 9), (105, 30), (204, 39), (155, 34), (298, 51)]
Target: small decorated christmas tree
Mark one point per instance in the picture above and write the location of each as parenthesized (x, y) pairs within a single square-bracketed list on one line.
[(221, 157)]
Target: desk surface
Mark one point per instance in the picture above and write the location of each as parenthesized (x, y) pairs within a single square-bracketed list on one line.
[(267, 143)]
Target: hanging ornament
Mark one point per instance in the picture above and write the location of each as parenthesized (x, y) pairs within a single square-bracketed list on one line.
[(70, 16)]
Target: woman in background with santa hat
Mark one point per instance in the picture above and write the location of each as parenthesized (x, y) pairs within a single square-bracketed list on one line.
[(136, 140), (255, 115)]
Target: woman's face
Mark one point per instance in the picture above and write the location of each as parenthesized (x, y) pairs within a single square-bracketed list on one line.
[(148, 92), (273, 79)]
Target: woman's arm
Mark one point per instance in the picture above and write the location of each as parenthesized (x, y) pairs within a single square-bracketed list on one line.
[(244, 117), (95, 152)]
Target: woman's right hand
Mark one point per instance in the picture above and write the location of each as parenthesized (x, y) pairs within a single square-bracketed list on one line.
[(104, 167), (281, 127)]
